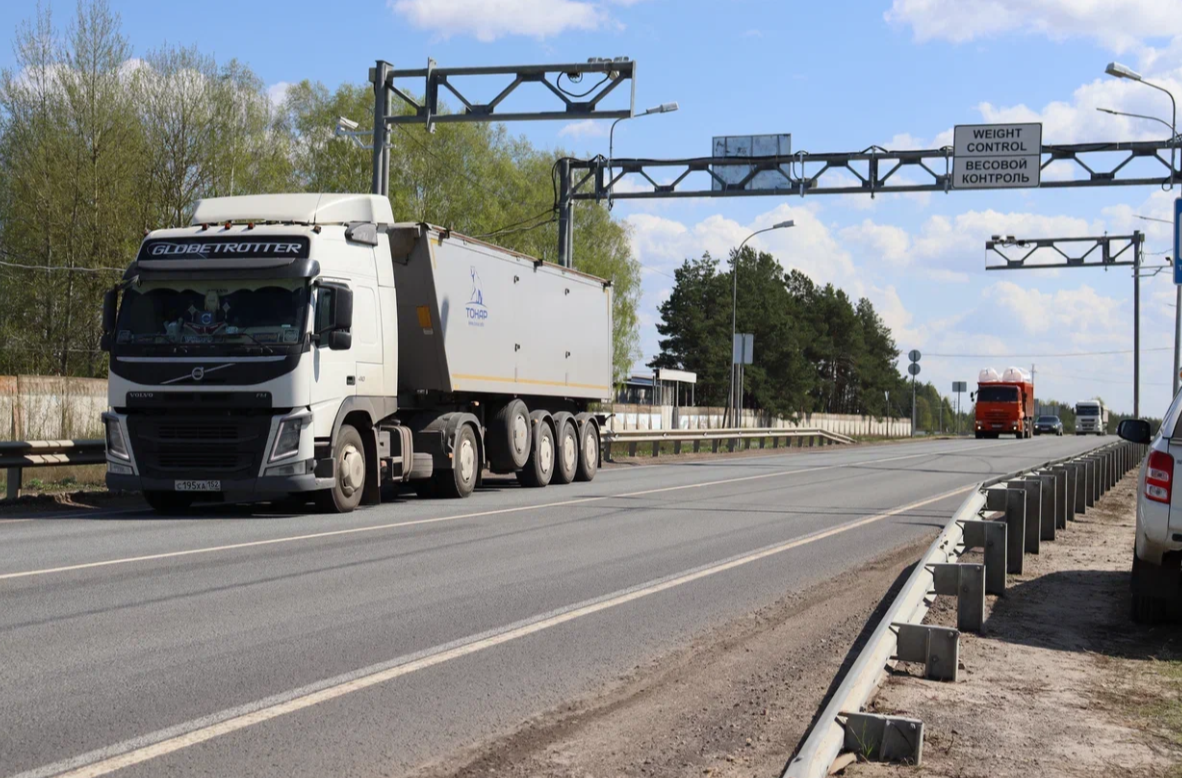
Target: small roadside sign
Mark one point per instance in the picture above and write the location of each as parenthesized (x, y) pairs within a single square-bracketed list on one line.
[(744, 348), (1178, 241), (996, 156), (960, 386), (913, 368), (914, 355)]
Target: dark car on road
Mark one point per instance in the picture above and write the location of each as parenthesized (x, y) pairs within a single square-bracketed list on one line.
[(1048, 425)]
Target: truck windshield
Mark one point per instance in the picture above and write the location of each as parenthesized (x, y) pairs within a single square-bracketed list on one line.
[(1087, 410), (997, 394), (266, 313)]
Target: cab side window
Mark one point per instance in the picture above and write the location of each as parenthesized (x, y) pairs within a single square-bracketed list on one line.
[(325, 297)]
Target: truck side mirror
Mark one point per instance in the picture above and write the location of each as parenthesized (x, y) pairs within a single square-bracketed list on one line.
[(342, 313), (1134, 430), (340, 340), (972, 397), (110, 309)]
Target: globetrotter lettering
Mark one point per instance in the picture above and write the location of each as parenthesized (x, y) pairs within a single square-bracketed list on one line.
[(254, 248)]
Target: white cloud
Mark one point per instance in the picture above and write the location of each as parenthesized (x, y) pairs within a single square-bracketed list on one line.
[(1082, 314), (587, 128), (277, 92), (892, 244), (488, 20), (1116, 24)]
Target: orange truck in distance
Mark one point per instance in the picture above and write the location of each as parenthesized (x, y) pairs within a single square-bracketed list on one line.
[(1004, 403)]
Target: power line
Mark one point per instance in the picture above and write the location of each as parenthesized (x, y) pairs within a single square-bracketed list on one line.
[(1045, 356)]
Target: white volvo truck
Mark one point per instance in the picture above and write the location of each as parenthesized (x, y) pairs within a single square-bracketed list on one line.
[(307, 346)]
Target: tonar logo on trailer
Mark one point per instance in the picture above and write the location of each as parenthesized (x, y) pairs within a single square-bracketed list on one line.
[(475, 309), (293, 247)]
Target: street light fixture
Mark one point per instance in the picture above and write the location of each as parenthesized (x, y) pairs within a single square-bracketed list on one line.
[(611, 137), (1122, 71), (736, 402), (1134, 116)]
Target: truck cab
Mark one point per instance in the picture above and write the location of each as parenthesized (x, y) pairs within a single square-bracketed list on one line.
[(1091, 418), (1004, 404), (255, 356)]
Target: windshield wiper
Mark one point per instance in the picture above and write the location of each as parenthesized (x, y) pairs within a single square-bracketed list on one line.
[(257, 342)]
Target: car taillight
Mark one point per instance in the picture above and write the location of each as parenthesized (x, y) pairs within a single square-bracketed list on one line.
[(1159, 472)]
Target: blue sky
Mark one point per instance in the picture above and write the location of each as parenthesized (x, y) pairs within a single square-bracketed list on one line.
[(839, 76)]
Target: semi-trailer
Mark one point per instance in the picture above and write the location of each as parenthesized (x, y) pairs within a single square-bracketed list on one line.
[(309, 346)]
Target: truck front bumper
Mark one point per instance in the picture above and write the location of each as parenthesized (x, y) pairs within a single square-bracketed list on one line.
[(263, 488)]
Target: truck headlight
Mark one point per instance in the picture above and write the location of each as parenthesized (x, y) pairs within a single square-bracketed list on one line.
[(287, 438), (116, 444)]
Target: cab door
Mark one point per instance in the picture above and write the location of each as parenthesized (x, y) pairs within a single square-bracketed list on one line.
[(334, 371)]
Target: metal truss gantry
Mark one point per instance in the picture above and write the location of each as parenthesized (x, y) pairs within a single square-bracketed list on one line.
[(1111, 247), (575, 103)]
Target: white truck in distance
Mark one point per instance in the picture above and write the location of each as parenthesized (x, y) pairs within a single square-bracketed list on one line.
[(307, 346), (1091, 418)]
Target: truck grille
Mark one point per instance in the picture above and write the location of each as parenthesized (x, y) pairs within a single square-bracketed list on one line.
[(195, 447)]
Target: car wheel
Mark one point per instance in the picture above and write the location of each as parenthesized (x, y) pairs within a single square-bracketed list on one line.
[(349, 458), (539, 466), (567, 452), (1146, 609), (588, 452), (459, 481)]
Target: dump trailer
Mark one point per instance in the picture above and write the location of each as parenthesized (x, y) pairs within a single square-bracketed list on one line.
[(307, 347), (1004, 403)]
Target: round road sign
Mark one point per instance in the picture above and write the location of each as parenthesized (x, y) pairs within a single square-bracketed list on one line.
[(913, 368), (914, 355)]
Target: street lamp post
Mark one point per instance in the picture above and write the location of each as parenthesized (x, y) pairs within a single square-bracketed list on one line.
[(1177, 312), (611, 137), (736, 402), (1122, 71)]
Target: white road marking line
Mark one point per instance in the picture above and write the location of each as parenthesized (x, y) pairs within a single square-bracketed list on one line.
[(13, 521), (167, 741), (436, 520)]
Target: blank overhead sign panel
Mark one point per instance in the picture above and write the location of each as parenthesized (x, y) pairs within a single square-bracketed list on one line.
[(746, 146), (997, 156)]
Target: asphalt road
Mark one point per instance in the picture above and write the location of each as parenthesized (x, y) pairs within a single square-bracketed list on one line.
[(273, 645)]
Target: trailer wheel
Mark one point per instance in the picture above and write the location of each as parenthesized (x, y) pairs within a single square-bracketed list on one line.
[(508, 437), (567, 451), (539, 466), (588, 452), (348, 453), (460, 480), (168, 503)]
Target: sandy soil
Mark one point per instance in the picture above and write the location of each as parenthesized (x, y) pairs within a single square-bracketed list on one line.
[(734, 703), (1061, 683)]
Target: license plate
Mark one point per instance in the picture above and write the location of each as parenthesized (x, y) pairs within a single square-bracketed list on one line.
[(198, 486)]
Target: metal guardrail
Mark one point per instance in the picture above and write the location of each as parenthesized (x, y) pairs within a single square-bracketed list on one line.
[(15, 456), (734, 437), (1008, 516)]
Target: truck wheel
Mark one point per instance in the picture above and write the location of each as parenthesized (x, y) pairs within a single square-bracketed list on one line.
[(168, 503), (588, 453), (568, 453), (348, 454), (539, 466), (460, 480), (1146, 609), (978, 436), (508, 437)]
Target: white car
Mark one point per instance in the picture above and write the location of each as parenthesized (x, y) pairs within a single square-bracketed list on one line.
[(1157, 576)]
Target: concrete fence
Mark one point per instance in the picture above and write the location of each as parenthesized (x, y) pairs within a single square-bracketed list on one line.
[(665, 417), (51, 408)]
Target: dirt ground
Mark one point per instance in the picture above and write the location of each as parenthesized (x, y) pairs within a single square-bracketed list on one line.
[(734, 703), (1061, 683)]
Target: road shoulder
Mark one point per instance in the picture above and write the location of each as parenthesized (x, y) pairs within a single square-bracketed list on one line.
[(1061, 682)]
